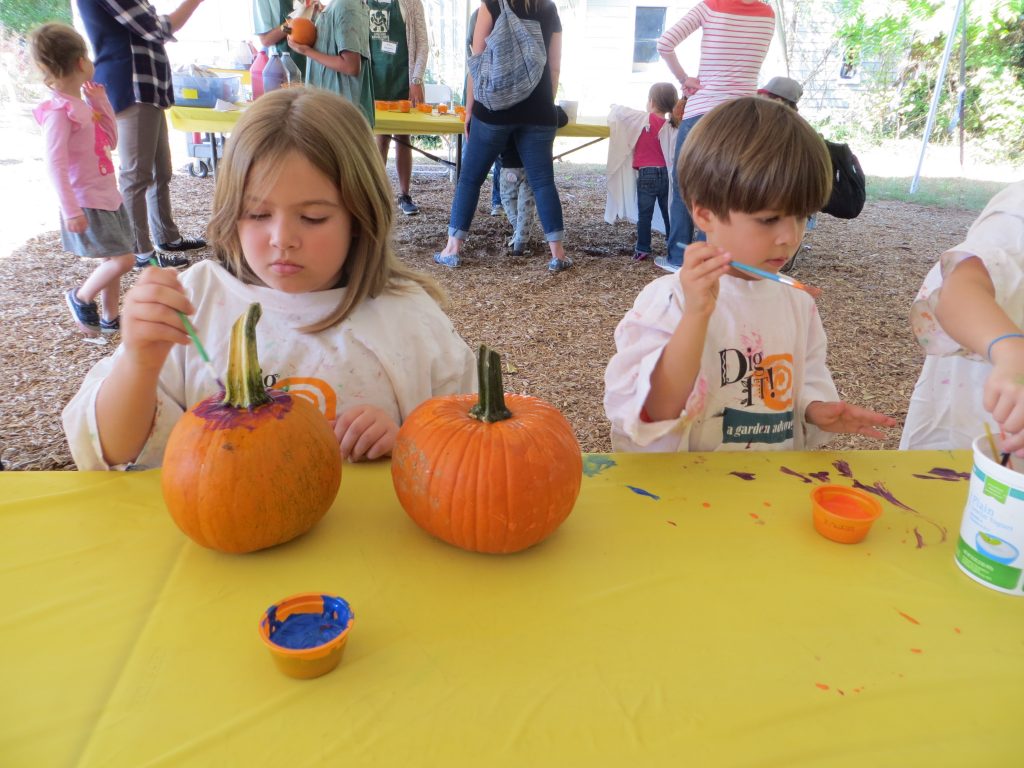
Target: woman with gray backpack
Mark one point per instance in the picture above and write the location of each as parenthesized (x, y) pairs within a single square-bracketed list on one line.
[(513, 76)]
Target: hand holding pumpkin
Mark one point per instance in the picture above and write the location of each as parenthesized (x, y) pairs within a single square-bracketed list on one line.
[(150, 324), (365, 432)]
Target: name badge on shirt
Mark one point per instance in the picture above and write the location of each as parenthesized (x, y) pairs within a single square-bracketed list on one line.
[(387, 46)]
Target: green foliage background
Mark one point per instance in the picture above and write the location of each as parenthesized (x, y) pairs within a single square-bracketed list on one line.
[(21, 15), (900, 53)]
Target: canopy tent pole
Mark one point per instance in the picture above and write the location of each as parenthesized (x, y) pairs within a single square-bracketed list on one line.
[(938, 93)]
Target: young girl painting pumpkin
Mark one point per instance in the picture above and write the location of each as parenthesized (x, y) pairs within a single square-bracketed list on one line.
[(302, 224)]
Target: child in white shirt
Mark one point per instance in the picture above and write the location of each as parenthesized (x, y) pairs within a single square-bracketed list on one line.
[(968, 317), (711, 358), (302, 224)]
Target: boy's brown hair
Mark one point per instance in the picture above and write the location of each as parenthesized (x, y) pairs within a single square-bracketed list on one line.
[(751, 155), (56, 49)]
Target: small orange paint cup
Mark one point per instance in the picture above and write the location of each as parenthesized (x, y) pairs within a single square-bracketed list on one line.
[(442, 109), (843, 514), (307, 633), (380, 105), (404, 105)]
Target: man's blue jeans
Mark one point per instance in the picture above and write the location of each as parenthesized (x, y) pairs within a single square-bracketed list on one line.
[(651, 188), (486, 142), (680, 233)]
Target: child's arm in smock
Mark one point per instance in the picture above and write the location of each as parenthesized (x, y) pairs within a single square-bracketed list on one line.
[(150, 327), (968, 312)]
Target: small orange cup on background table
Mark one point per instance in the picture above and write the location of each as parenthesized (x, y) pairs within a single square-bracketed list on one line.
[(381, 105), (404, 105), (843, 514), (442, 109), (307, 633)]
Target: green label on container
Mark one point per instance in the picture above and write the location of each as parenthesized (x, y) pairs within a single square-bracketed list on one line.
[(996, 490), (988, 570)]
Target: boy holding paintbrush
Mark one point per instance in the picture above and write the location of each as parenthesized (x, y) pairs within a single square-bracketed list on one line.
[(714, 357)]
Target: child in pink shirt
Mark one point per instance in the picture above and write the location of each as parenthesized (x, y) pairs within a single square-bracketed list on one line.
[(649, 162), (79, 135)]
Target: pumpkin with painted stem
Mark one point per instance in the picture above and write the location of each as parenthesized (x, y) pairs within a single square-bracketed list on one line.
[(491, 473), (251, 467)]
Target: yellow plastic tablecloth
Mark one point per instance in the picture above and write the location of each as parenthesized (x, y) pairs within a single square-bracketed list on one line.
[(682, 615), (203, 120)]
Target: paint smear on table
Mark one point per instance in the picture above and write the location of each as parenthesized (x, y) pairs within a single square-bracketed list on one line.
[(672, 523), (842, 468), (908, 617), (879, 489), (916, 650), (757, 518), (821, 477), (942, 473), (594, 464), (788, 471), (642, 492), (744, 475), (822, 686), (919, 537)]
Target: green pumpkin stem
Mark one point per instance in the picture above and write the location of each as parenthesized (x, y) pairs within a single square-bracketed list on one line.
[(491, 405), (244, 388)]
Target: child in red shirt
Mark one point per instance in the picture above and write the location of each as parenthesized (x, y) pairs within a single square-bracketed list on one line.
[(652, 173)]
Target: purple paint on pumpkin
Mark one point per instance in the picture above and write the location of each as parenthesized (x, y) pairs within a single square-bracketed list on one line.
[(843, 468), (744, 475), (219, 415), (821, 477), (788, 471)]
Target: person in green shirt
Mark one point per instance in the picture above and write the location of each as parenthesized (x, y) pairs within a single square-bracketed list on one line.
[(267, 17), (340, 60), (398, 52)]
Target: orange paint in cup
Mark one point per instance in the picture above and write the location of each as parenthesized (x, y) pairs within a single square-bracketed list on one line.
[(843, 514)]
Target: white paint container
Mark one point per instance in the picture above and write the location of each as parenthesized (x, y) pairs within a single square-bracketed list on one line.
[(991, 545)]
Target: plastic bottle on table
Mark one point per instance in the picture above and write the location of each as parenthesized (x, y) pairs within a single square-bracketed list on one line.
[(256, 72), (293, 75), (273, 74)]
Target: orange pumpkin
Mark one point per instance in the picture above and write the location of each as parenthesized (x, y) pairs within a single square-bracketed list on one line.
[(301, 31), (253, 467), (496, 473)]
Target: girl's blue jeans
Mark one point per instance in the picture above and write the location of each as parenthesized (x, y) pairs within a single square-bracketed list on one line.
[(651, 188), (680, 233), (486, 142)]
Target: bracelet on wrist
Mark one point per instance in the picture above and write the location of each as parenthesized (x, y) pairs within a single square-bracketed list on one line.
[(997, 339)]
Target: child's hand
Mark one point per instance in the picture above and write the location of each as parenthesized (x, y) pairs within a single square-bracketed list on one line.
[(76, 224), (365, 432), (843, 417), (150, 325), (703, 264), (93, 89), (1004, 393)]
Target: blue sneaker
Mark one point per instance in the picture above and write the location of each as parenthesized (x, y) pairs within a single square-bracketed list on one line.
[(664, 263), (559, 265), (85, 314), (447, 259)]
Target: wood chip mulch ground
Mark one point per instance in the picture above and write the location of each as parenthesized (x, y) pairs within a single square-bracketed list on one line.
[(554, 331)]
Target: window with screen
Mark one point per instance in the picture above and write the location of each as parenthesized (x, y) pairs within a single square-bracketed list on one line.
[(650, 23)]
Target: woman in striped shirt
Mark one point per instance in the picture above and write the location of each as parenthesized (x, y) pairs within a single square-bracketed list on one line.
[(734, 42)]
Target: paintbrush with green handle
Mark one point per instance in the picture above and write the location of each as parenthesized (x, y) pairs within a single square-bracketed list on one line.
[(195, 339)]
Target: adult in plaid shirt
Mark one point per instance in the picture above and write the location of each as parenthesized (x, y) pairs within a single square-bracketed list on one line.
[(128, 39)]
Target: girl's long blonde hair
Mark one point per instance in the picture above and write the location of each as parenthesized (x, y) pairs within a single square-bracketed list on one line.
[(56, 49), (333, 135)]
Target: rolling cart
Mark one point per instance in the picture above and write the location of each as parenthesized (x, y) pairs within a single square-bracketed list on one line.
[(205, 148)]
